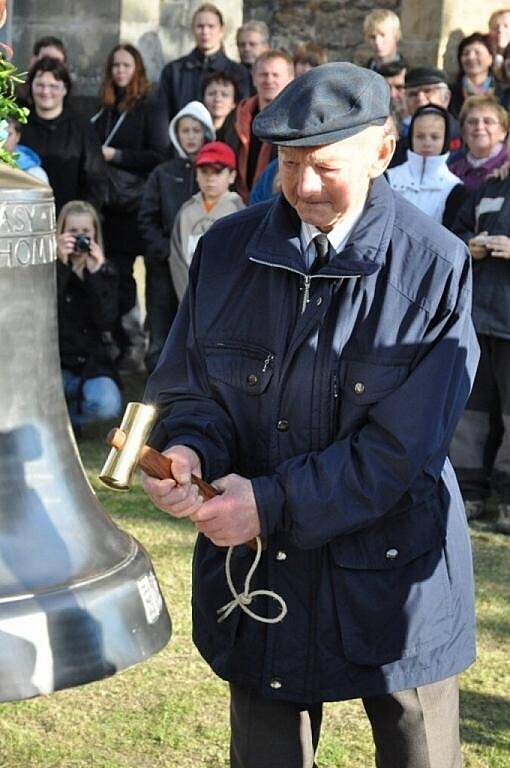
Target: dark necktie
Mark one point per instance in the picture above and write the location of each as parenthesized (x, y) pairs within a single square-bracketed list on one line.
[(321, 243)]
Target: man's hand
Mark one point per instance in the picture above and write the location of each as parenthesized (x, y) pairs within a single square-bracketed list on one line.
[(177, 497), (230, 518)]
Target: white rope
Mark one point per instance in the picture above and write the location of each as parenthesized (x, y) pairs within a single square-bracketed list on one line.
[(244, 598)]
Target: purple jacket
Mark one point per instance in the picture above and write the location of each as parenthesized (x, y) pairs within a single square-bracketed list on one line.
[(473, 177)]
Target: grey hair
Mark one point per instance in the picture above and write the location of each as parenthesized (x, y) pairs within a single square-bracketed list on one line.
[(254, 25)]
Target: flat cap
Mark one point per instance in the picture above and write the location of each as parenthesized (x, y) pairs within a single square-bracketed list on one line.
[(425, 76), (326, 104)]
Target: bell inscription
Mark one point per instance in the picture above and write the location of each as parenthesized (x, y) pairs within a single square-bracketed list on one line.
[(27, 233)]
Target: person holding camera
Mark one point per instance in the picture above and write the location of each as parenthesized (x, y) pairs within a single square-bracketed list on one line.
[(87, 291)]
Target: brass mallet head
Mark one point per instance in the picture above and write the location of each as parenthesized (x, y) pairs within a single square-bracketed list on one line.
[(127, 443)]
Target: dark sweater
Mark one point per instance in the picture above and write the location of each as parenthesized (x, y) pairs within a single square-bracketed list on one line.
[(71, 155)]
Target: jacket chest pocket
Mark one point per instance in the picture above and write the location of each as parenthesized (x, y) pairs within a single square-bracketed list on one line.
[(246, 368), (240, 376), (362, 386)]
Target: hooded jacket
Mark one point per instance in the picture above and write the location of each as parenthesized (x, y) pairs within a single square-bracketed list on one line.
[(425, 181), (169, 186), (337, 394), (29, 161), (190, 224), (197, 110)]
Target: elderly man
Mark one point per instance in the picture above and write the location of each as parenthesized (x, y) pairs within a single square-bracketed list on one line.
[(252, 39), (315, 373), (425, 85)]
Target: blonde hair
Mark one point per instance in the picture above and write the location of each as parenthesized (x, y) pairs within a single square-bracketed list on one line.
[(497, 14), (381, 16), (80, 207), (481, 102)]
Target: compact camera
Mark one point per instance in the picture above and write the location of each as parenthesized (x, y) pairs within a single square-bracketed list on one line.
[(82, 244)]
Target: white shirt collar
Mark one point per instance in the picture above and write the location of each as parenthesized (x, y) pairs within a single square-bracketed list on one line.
[(337, 237)]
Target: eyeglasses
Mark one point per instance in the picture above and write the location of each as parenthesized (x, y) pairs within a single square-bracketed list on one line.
[(53, 87), (412, 93), (488, 122)]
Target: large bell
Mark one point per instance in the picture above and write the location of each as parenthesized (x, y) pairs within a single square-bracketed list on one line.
[(78, 597)]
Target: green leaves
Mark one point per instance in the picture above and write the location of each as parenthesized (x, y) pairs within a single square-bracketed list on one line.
[(9, 79)]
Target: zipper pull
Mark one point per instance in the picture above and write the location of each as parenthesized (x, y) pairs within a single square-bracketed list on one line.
[(335, 388), (306, 292), (267, 362)]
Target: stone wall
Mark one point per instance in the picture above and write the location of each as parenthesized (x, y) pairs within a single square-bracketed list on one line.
[(161, 28), (431, 29), (90, 28)]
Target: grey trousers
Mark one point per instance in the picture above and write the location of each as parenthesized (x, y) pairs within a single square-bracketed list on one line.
[(417, 728), (480, 448)]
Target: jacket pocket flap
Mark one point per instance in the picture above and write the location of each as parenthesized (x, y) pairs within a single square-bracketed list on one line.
[(392, 542), (246, 368), (366, 383)]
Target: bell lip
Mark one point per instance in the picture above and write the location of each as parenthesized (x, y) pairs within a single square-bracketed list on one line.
[(114, 485)]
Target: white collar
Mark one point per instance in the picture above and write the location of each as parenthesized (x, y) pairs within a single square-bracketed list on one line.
[(337, 237)]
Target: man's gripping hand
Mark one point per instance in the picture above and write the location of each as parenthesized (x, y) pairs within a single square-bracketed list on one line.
[(231, 518), (179, 497)]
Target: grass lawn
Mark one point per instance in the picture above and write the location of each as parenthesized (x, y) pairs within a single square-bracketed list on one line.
[(172, 711)]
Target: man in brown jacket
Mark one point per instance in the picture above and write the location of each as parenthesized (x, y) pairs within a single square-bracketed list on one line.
[(271, 73)]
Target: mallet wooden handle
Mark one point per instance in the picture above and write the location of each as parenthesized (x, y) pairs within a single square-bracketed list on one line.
[(156, 464)]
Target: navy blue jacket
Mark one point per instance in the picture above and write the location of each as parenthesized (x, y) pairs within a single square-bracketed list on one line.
[(341, 414)]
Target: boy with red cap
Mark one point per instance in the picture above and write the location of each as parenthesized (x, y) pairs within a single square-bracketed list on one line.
[(215, 167)]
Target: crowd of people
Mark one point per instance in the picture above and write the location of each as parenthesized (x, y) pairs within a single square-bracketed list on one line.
[(156, 166)]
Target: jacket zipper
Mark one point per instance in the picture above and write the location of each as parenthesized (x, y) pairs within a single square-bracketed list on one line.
[(306, 292), (336, 404), (267, 362)]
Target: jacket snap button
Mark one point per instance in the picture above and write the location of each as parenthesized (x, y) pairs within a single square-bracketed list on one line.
[(275, 683), (252, 380), (359, 387), (281, 555), (319, 301), (282, 425), (391, 554)]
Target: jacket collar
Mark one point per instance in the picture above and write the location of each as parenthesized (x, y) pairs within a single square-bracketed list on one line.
[(276, 241), (197, 58)]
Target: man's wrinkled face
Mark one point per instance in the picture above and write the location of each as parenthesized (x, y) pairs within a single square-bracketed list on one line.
[(325, 184)]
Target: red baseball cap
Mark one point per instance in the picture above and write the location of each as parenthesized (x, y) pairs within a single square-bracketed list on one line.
[(216, 153)]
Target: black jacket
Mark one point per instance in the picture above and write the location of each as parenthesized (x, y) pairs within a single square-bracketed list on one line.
[(87, 311), (142, 141), (71, 156), (488, 209), (167, 188), (181, 80)]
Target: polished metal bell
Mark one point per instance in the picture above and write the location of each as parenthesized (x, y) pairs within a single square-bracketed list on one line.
[(78, 597)]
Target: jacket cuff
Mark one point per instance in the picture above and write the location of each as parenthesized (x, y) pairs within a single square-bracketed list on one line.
[(270, 500), (210, 459)]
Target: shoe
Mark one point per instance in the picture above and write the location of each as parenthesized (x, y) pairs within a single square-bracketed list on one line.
[(474, 508), (503, 521)]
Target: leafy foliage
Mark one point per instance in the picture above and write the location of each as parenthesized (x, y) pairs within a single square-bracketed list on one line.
[(9, 79)]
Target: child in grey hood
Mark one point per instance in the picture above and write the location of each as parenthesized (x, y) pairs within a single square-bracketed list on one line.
[(168, 187)]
